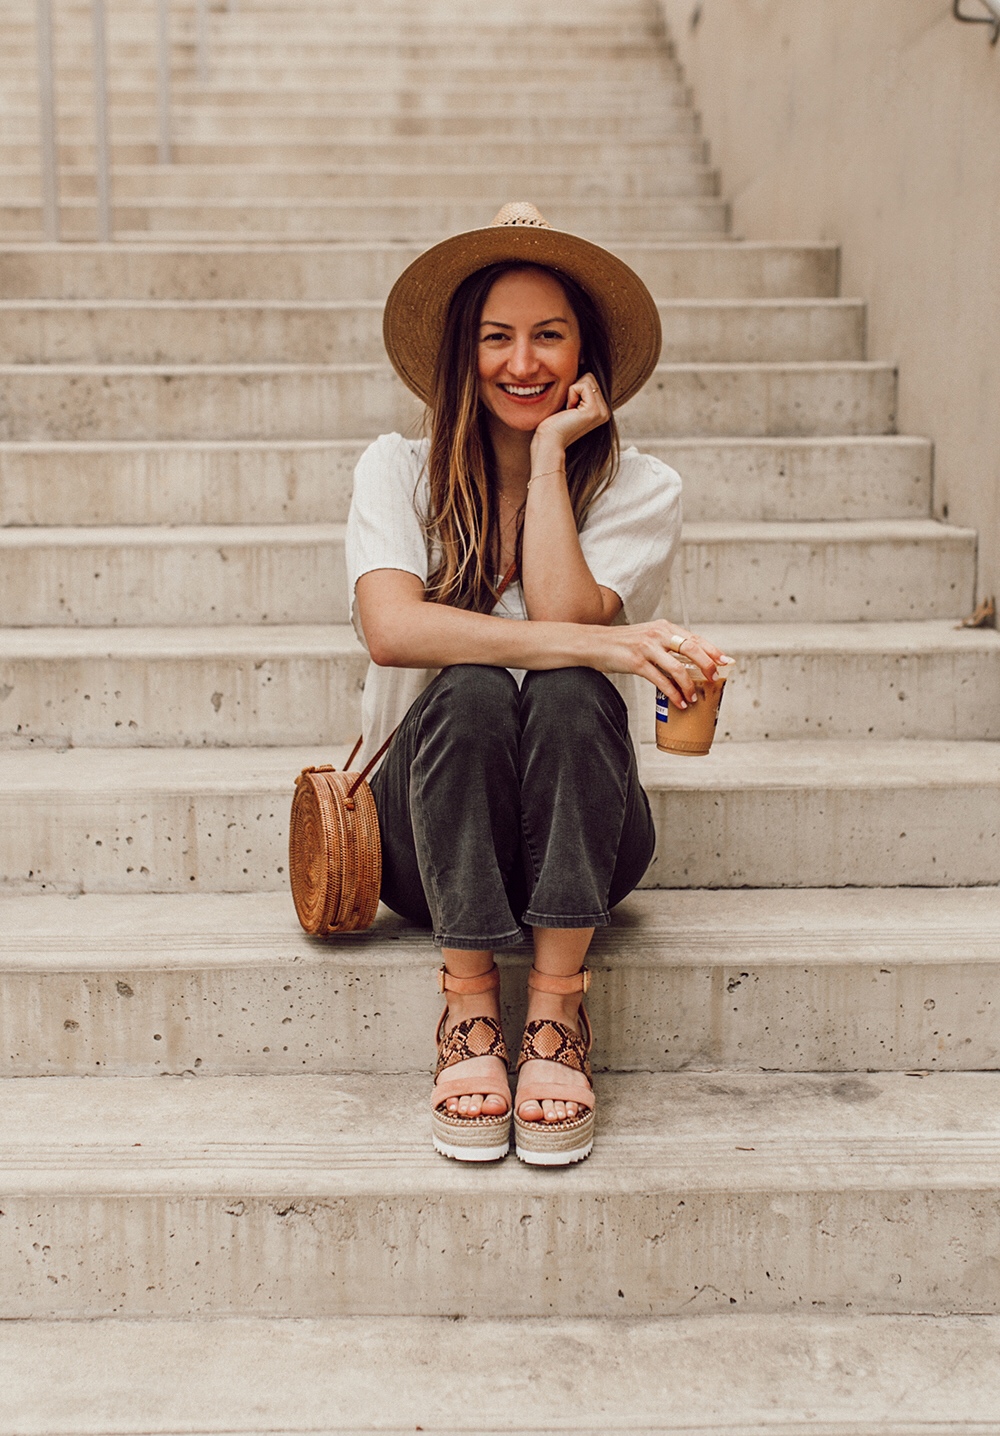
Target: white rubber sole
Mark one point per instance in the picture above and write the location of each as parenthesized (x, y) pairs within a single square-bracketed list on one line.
[(470, 1154), (554, 1159), (554, 1144)]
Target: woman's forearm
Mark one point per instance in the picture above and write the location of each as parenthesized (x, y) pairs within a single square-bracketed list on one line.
[(404, 631), (555, 579)]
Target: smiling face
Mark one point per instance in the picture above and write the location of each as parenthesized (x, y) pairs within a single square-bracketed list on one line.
[(529, 349)]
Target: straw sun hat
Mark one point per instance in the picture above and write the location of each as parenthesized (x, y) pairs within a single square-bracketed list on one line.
[(417, 307)]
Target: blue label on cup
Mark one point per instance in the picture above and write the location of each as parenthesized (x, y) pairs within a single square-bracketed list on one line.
[(662, 707)]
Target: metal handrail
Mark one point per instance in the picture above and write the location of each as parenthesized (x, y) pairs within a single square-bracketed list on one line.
[(102, 139), (164, 147), (47, 121), (993, 18), (201, 40)]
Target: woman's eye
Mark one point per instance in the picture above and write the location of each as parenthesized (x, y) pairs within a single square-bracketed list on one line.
[(551, 334), (487, 338)]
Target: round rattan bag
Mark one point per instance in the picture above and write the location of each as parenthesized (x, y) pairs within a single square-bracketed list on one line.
[(334, 851)]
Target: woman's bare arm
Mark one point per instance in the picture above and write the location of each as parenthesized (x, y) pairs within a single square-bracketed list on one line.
[(403, 630), (555, 578)]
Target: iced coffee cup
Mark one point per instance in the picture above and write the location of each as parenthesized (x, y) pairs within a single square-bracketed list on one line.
[(689, 731)]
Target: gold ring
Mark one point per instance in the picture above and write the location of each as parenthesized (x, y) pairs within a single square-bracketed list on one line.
[(677, 642)]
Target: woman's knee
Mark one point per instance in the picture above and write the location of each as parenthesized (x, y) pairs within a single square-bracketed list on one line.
[(575, 699), (473, 698)]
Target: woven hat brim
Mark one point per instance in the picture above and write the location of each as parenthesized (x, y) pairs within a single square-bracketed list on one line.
[(417, 307)]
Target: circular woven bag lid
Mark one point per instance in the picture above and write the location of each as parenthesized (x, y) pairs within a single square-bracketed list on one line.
[(334, 852)]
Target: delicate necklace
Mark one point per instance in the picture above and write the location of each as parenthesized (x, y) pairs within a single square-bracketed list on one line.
[(516, 508)]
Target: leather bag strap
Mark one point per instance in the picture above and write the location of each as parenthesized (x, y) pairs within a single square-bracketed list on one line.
[(505, 583)]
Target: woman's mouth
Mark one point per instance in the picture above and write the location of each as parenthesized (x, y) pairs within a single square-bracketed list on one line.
[(526, 393)]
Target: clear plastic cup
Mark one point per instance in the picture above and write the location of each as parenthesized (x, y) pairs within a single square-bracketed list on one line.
[(689, 731)]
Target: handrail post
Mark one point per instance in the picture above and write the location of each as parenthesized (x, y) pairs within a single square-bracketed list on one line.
[(201, 40), (47, 122), (101, 123), (163, 151)]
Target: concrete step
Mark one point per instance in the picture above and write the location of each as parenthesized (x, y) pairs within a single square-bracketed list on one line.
[(237, 575), (169, 687), (472, 83), (333, 219), (836, 979), (404, 43), (342, 331), (321, 1196), (668, 154), (373, 53), (693, 269), (773, 814), (80, 402), (200, 122), (875, 571), (309, 480), (163, 687), (571, 181), (749, 1376), (290, 573), (863, 680), (247, 93)]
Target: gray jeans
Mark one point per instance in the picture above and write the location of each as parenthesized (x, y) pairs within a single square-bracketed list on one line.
[(501, 806)]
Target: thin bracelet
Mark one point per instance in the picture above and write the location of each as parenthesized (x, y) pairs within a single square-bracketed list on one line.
[(544, 475)]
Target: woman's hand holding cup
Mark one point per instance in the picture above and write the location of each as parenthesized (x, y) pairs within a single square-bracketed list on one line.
[(663, 653)]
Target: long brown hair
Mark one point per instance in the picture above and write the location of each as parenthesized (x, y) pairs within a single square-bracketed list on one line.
[(463, 517)]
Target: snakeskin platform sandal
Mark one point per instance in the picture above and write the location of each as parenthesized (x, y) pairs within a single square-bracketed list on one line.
[(556, 1144), (469, 1139)]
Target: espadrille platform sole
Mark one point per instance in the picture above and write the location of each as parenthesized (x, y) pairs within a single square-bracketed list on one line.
[(554, 1144), (471, 1139)]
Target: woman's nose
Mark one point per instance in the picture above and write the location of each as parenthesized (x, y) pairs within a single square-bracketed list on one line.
[(523, 360)]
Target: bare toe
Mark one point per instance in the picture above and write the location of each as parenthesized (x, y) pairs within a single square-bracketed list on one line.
[(530, 1111)]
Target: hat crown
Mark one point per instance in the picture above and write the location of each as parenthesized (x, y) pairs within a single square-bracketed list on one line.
[(520, 212)]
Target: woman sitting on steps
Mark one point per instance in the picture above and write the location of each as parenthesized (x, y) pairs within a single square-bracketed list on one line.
[(509, 796)]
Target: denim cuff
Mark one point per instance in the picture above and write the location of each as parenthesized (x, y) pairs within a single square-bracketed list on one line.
[(479, 944), (572, 919)]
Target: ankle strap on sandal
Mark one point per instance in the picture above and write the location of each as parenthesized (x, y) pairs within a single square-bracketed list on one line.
[(559, 986), (468, 986)]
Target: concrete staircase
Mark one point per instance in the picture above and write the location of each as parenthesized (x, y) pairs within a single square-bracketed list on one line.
[(790, 1221)]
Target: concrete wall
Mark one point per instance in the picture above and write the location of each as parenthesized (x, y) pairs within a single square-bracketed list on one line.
[(876, 124)]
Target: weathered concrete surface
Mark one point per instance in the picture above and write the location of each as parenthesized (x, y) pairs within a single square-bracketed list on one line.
[(860, 571), (322, 1196), (689, 269), (816, 980), (275, 401), (223, 481), (301, 683), (793, 814), (747, 1376), (332, 331)]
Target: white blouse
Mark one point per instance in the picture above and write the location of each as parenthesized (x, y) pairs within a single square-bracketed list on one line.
[(628, 539)]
